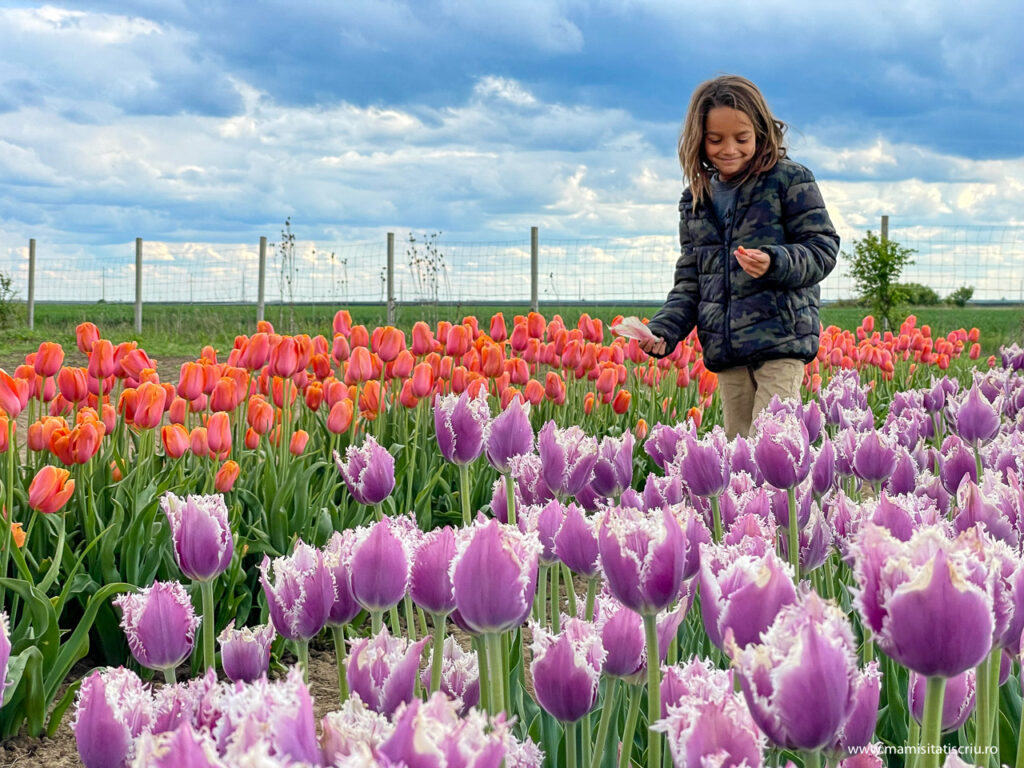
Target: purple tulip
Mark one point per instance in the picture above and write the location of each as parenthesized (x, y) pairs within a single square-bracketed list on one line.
[(930, 488), (977, 420), (779, 503), (859, 728), (708, 724), (743, 498), (702, 464), (695, 532), (613, 470), (527, 471), (566, 669), (957, 462), (567, 458), (925, 600), (337, 560), (160, 624), (354, 731), (545, 522), (368, 471), (904, 475), (957, 703), (990, 507), (460, 676), (459, 422), (662, 491), (380, 566), (823, 468), (782, 450), (643, 556), (751, 526), (1012, 357), (494, 574), (245, 652), (663, 442), (200, 533), (874, 458), (111, 710), (508, 434), (299, 592), (798, 681), (743, 587), (902, 515), (815, 540), (382, 670), (430, 585), (813, 418), (741, 459), (181, 747), (576, 542)]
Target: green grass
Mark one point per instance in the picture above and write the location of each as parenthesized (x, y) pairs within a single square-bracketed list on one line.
[(174, 330)]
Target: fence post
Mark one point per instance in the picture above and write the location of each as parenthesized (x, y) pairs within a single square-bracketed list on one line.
[(534, 259), (31, 283), (138, 285), (885, 230), (391, 278), (260, 286)]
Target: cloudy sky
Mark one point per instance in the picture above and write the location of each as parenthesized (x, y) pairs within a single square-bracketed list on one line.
[(205, 121)]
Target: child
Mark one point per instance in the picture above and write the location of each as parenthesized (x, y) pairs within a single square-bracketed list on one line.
[(756, 240)]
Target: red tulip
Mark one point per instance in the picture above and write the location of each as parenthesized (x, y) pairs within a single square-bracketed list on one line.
[(218, 432), (178, 411), (340, 417), (101, 359), (13, 394), (85, 335), (50, 489), (49, 358), (391, 343), (175, 440), (149, 408), (260, 415), (498, 331), (297, 445), (342, 322), (621, 402)]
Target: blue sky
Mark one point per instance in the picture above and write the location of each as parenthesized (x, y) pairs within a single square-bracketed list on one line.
[(181, 120)]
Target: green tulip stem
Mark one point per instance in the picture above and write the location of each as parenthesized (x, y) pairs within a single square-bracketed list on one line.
[(8, 519), (496, 672), (633, 693), (812, 759), (209, 655), (376, 622), (467, 516), (169, 677), (570, 746), (931, 732), (339, 654), (716, 515), (570, 590), (510, 498), (410, 618), (591, 597), (556, 623), (794, 535), (653, 689), (606, 718), (982, 716), (540, 603), (485, 681), (1020, 741), (437, 652), (302, 651), (396, 627)]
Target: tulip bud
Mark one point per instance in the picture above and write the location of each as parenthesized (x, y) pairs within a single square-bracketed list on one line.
[(382, 671), (226, 476), (159, 623), (50, 489), (245, 652), (368, 471), (200, 534)]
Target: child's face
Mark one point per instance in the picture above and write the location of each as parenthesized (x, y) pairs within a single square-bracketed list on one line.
[(729, 141)]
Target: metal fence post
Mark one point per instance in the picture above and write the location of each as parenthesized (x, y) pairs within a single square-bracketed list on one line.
[(261, 285), (138, 285), (534, 259), (391, 278), (31, 283)]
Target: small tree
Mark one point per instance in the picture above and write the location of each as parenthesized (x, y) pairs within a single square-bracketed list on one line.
[(960, 296), (7, 296), (875, 267)]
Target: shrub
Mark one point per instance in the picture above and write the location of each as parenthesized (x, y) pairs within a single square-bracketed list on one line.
[(920, 295), (875, 267), (960, 296)]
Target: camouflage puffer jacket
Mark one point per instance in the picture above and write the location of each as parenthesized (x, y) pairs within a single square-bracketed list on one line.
[(742, 320)]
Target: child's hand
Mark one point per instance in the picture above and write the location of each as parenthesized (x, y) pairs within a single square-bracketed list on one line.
[(655, 346), (754, 262)]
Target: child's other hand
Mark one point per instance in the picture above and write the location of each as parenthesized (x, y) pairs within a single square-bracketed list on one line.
[(655, 346), (754, 262)]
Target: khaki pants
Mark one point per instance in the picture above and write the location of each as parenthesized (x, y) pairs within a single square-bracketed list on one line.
[(745, 391)]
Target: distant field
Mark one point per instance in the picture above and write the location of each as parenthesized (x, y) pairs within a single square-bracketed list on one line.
[(181, 330)]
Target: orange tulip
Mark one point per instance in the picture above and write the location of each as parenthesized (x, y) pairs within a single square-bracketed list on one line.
[(18, 533), (589, 401), (252, 439), (225, 395), (359, 337), (458, 342), (178, 411), (218, 432), (492, 360), (13, 394), (621, 402), (607, 379), (342, 322), (554, 388), (360, 366), (975, 352), (226, 476), (49, 358), (498, 331), (422, 339), (73, 384), (321, 365), (133, 362), (390, 343), (370, 401), (402, 367), (85, 335), (198, 442), (314, 396), (50, 489), (284, 357), (340, 417), (508, 395), (422, 379), (190, 380), (535, 325), (260, 414), (101, 359), (256, 351), (175, 440), (149, 410), (695, 415), (519, 337), (534, 392), (127, 403), (406, 396), (297, 445), (640, 430)]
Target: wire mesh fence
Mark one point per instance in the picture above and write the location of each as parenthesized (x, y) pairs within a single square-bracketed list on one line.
[(989, 259)]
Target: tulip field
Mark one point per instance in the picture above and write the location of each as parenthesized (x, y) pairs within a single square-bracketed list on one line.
[(522, 543)]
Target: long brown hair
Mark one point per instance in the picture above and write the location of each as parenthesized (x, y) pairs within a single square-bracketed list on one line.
[(740, 94)]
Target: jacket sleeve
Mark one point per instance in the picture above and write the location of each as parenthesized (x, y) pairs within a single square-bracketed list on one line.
[(676, 318), (812, 244)]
